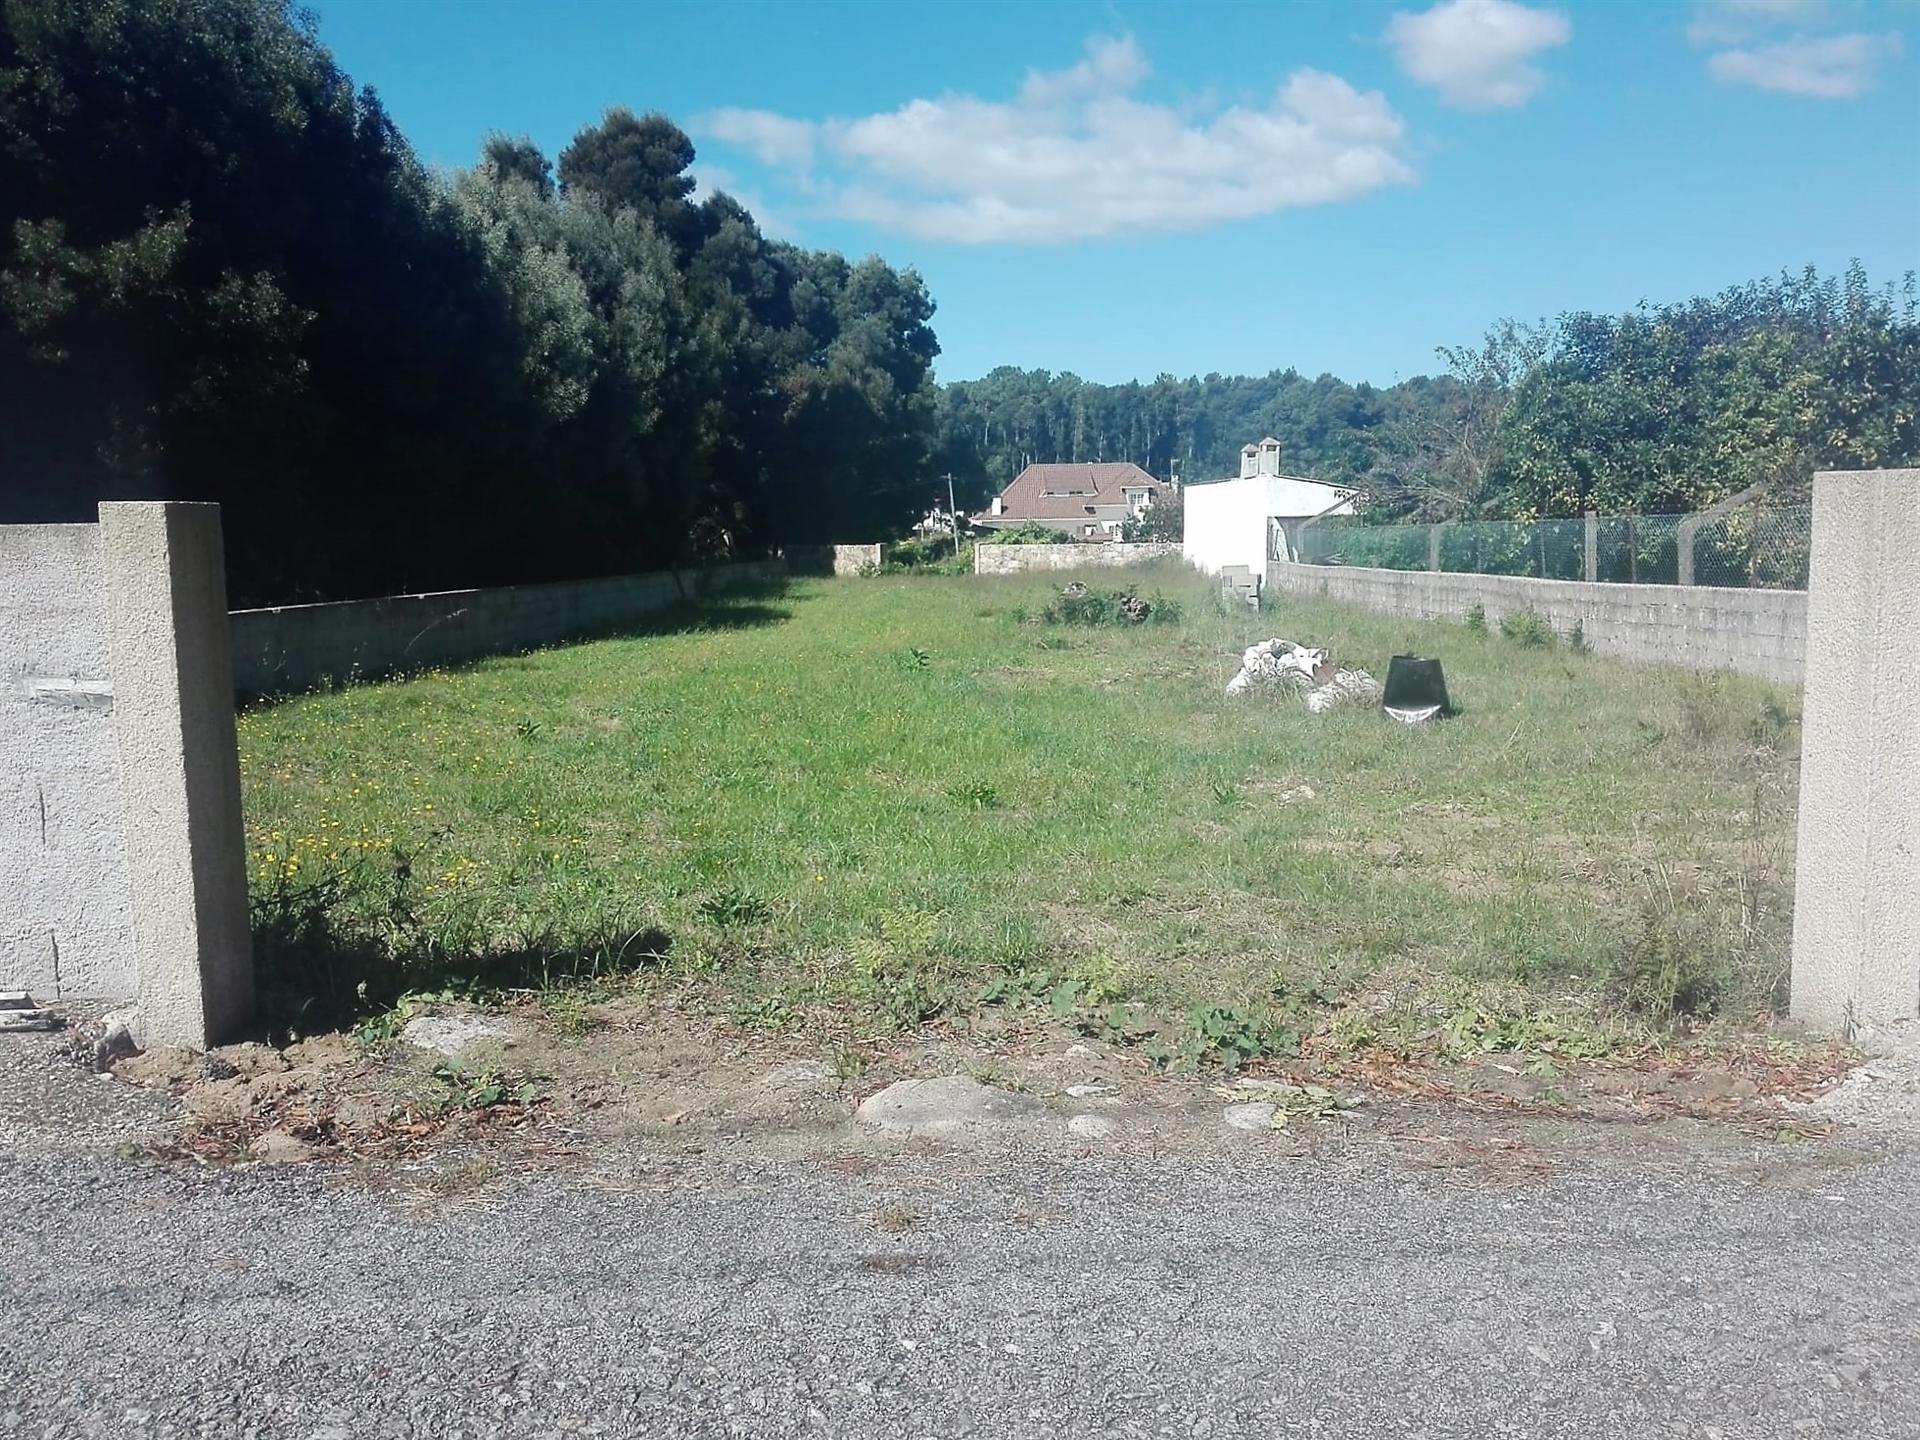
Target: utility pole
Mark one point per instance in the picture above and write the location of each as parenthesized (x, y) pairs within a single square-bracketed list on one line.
[(953, 513)]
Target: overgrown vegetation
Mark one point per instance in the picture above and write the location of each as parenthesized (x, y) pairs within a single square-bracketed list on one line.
[(1081, 604), (898, 804)]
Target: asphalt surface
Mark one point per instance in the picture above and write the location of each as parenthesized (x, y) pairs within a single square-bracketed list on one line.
[(1034, 1293)]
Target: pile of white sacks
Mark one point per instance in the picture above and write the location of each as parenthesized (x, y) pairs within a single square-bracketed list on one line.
[(1306, 672)]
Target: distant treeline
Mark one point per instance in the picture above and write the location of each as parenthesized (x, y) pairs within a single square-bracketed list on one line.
[(1662, 409), (225, 276)]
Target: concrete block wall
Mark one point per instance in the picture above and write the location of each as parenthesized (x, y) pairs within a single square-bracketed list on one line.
[(1017, 559), (1760, 632), (122, 857), (290, 648)]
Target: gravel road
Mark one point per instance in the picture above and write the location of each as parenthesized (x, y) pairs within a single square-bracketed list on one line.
[(947, 1291)]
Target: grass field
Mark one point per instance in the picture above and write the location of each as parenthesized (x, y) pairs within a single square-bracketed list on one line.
[(886, 798)]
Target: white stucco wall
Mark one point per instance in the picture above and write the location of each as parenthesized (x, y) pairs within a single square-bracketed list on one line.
[(1225, 524), (65, 898)]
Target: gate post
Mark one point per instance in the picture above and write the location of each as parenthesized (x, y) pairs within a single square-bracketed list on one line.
[(1856, 917), (173, 732)]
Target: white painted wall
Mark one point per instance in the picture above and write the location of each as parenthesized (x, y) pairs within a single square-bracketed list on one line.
[(1226, 522)]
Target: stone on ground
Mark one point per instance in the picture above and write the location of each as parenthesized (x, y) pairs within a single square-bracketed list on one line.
[(944, 1104), (452, 1035), (1093, 1127), (799, 1075), (1249, 1117)]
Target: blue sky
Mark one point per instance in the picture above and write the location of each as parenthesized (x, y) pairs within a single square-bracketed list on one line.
[(1121, 188)]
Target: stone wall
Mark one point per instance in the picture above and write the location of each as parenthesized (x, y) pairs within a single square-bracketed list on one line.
[(852, 559), (122, 856), (290, 648), (841, 560), (1016, 559), (1761, 632)]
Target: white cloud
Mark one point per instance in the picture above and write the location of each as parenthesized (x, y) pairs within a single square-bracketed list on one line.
[(1729, 22), (1075, 156), (1828, 67), (1476, 53), (772, 139)]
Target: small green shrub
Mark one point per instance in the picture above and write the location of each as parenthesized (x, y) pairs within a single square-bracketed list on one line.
[(1226, 1036), (1476, 619), (1529, 628)]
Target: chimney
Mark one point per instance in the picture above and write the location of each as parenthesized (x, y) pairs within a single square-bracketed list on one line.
[(997, 503), (1249, 462), (1269, 456)]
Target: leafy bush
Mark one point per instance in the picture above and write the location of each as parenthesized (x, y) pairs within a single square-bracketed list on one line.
[(1027, 532), (934, 555), (1476, 619), (1111, 607), (1528, 627)]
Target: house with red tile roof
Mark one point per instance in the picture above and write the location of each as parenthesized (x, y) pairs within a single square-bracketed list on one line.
[(1084, 500)]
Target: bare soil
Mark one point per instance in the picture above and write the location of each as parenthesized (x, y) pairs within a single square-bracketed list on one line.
[(631, 1087)]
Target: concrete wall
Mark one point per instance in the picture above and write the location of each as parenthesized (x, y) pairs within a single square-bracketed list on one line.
[(66, 905), (122, 858), (1225, 524), (1761, 632), (1016, 559), (295, 647), (1856, 921)]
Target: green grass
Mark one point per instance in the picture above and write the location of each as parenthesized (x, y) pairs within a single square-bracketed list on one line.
[(881, 798)]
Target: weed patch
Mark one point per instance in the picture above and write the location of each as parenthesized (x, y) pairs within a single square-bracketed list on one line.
[(1528, 627)]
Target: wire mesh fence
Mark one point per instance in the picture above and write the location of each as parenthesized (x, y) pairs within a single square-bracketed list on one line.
[(1745, 548)]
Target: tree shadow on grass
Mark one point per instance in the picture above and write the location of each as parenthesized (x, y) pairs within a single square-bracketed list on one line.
[(743, 607), (329, 954)]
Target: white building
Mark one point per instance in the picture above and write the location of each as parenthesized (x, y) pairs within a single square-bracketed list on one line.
[(1228, 521)]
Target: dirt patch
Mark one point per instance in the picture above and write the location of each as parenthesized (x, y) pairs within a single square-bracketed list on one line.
[(643, 1086)]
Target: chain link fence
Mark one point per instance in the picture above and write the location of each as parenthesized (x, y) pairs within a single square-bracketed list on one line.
[(1744, 548)]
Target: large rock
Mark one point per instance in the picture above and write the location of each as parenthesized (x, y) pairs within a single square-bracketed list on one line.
[(944, 1105), (453, 1035)]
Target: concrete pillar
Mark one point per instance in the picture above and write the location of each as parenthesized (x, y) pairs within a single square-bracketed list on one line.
[(1590, 566), (1433, 547), (1856, 921), (1683, 542), (179, 768)]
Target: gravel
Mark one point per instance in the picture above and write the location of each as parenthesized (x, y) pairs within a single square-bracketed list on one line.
[(1041, 1291)]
